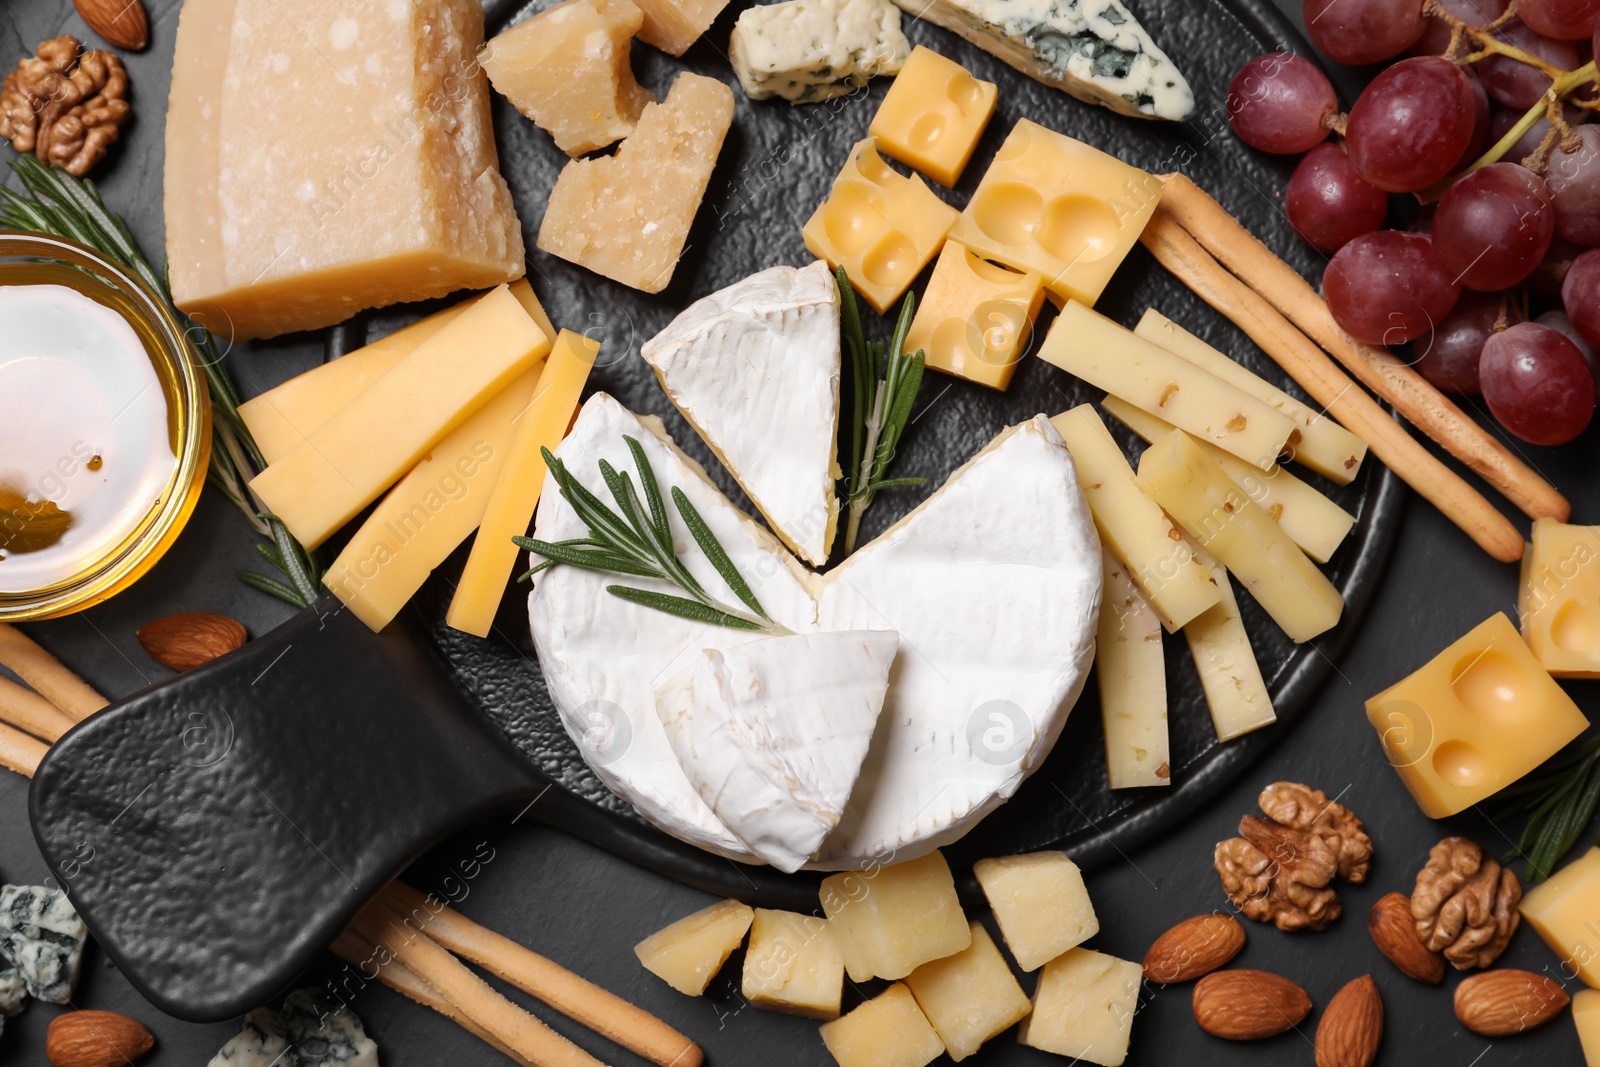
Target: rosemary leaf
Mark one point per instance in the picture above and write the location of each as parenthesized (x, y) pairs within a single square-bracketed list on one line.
[(294, 558), (652, 491), (1560, 800), (594, 559), (713, 549), (272, 587), (682, 607), (896, 483), (661, 546)]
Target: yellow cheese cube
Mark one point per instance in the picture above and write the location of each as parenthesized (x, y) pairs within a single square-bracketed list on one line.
[(323, 158), (1040, 902), (1565, 910), (1230, 676), (969, 997), (1586, 1013), (880, 225), (1474, 719), (891, 920), (567, 69), (674, 25), (1084, 1007), (627, 215), (690, 952), (793, 966), (1559, 598), (371, 442), (975, 317), (1133, 683), (1054, 205), (887, 1031), (933, 115), (1159, 559), (1224, 521)]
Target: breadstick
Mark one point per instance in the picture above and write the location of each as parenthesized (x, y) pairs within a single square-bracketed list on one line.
[(1176, 250), (47, 675), (27, 710), (519, 1031), (1413, 396), (19, 752), (601, 1011)]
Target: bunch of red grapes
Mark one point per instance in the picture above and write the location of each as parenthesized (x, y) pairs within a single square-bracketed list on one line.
[(1496, 287)]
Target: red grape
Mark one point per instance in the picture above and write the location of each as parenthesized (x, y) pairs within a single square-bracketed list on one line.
[(1544, 284), (1436, 36), (1494, 226), (1277, 103), (1580, 293), (1513, 82), (1387, 287), (1574, 180), (1567, 20), (1412, 123), (1449, 359), (1537, 384), (1328, 203), (1480, 122), (1363, 31), (1502, 121), (1558, 321)]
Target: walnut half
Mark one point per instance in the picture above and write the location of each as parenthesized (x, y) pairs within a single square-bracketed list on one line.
[(65, 105), (1465, 904)]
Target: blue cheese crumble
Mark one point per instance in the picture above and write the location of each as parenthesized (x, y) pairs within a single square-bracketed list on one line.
[(806, 51), (42, 939), (303, 1033)]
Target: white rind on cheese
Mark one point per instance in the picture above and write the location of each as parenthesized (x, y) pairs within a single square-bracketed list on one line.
[(772, 734), (755, 369), (807, 51)]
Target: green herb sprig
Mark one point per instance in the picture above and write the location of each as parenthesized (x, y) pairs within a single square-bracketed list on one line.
[(1560, 800), (884, 384), (63, 206), (638, 542)]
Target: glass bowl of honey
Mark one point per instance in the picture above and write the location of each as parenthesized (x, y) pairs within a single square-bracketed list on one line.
[(105, 427)]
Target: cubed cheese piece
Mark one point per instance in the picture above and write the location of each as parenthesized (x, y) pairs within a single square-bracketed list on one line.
[(793, 966), (1311, 520), (1318, 442), (969, 997), (1230, 675), (1586, 1013), (933, 115), (690, 952), (1565, 910), (674, 25), (1040, 902), (810, 50), (887, 1031), (1102, 353), (371, 442), (1559, 598), (627, 215), (1159, 559), (1133, 683), (975, 317), (891, 920), (42, 937), (541, 424), (1223, 520), (567, 69), (325, 158), (1054, 205), (1474, 719), (1084, 1007), (882, 226)]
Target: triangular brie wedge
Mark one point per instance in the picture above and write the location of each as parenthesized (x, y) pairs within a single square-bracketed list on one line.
[(772, 734), (755, 369)]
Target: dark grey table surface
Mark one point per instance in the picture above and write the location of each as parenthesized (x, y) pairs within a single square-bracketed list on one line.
[(585, 908)]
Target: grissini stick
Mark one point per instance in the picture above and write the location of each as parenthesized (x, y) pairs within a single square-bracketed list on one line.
[(47, 675), (27, 710), (19, 752)]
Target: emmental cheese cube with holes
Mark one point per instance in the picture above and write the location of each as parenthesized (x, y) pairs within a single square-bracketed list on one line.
[(567, 69), (1474, 719), (1055, 205), (887, 1031), (674, 25), (933, 115), (882, 226), (1084, 1007), (889, 921), (975, 317), (690, 952), (1565, 910), (792, 965), (1586, 1013), (1559, 598), (627, 215), (1040, 904), (969, 997), (1133, 683), (1230, 675)]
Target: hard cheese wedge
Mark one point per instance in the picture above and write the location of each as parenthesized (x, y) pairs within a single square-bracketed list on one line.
[(674, 25), (968, 997), (755, 369), (772, 734), (891, 920), (793, 966), (1040, 903), (1559, 598), (325, 158), (383, 432), (690, 952), (1230, 675), (509, 510), (1586, 1013), (1133, 684), (1565, 910)]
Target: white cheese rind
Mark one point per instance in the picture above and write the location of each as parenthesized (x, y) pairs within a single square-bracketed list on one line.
[(772, 734), (807, 51)]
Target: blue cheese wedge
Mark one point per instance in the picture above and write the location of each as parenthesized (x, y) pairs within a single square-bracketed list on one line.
[(1094, 49), (305, 1033), (13, 995), (810, 50), (42, 937)]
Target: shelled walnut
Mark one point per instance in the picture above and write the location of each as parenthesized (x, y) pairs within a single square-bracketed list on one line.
[(1465, 904), (65, 105)]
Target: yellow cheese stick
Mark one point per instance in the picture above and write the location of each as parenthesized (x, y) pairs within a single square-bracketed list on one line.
[(516, 491), (372, 441), (1230, 676), (1133, 684)]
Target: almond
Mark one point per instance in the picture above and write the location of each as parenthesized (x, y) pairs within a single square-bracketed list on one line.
[(1507, 1001), (1351, 1026), (1394, 931), (183, 642), (1193, 948), (121, 22), (95, 1039), (1244, 1005)]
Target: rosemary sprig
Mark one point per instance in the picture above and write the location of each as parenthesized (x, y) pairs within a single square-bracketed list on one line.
[(638, 543), (63, 206), (884, 385), (1561, 800)]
